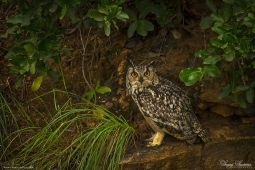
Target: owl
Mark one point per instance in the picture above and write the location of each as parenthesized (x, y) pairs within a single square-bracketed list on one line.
[(165, 106)]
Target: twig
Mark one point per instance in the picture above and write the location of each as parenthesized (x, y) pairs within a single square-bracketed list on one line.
[(70, 31), (169, 51), (152, 43), (4, 48), (163, 39), (83, 56), (8, 9)]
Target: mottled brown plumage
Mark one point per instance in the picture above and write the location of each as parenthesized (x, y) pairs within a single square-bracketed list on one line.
[(164, 105)]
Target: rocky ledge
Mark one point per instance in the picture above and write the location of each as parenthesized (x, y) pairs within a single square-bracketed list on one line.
[(232, 145)]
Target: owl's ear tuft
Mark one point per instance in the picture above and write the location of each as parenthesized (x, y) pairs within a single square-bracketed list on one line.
[(130, 62), (151, 64)]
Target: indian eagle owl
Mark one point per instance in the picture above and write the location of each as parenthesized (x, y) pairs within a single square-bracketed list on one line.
[(164, 105)]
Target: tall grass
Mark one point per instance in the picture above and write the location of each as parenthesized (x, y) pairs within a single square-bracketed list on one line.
[(68, 140)]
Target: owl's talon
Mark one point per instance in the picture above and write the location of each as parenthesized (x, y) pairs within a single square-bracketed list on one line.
[(152, 145), (150, 139)]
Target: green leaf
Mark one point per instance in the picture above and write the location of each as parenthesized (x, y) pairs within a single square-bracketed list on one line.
[(44, 45), (53, 75), (37, 83), (228, 37), (206, 23), (217, 17), (241, 3), (251, 16), (190, 75), (218, 29), (192, 82), (144, 26), (107, 30), (249, 22), (115, 10), (200, 53), (92, 13), (241, 88), (32, 67), (53, 7), (14, 69), (46, 57), (63, 12), (9, 31), (103, 90), (103, 9), (212, 70), (250, 95), (29, 47), (252, 85), (17, 19), (97, 85), (131, 14), (228, 11), (25, 65), (224, 91), (229, 56), (218, 43), (211, 5), (239, 100), (147, 24), (122, 16), (70, 13), (159, 10), (212, 59), (19, 81), (90, 94), (132, 28), (62, 2), (144, 11), (244, 45), (25, 21)]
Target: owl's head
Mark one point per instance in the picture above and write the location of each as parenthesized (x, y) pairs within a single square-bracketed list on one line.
[(140, 76)]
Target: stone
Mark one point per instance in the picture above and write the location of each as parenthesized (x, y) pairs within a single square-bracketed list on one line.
[(248, 119), (231, 142), (222, 110)]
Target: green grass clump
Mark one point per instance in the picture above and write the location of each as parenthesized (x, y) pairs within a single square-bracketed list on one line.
[(67, 141)]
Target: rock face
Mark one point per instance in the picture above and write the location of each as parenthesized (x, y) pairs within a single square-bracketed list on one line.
[(226, 107), (232, 144)]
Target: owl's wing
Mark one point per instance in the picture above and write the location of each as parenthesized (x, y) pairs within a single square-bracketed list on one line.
[(165, 104), (169, 107)]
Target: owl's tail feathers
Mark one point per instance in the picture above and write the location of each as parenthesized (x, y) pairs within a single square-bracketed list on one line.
[(204, 136), (201, 132)]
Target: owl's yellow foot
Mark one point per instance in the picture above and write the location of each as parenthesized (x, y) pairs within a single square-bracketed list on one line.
[(156, 139), (150, 139)]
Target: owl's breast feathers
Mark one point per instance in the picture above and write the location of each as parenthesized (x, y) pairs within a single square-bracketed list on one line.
[(167, 105)]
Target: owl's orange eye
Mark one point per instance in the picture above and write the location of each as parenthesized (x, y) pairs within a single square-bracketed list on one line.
[(134, 74), (147, 73)]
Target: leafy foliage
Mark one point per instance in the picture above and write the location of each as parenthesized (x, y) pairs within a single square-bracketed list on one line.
[(234, 22), (37, 30), (98, 89), (106, 13)]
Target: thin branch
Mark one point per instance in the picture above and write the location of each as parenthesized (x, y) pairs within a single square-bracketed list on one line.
[(83, 56), (152, 44)]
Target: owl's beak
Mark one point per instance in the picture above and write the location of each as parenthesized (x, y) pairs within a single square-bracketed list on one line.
[(141, 79)]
